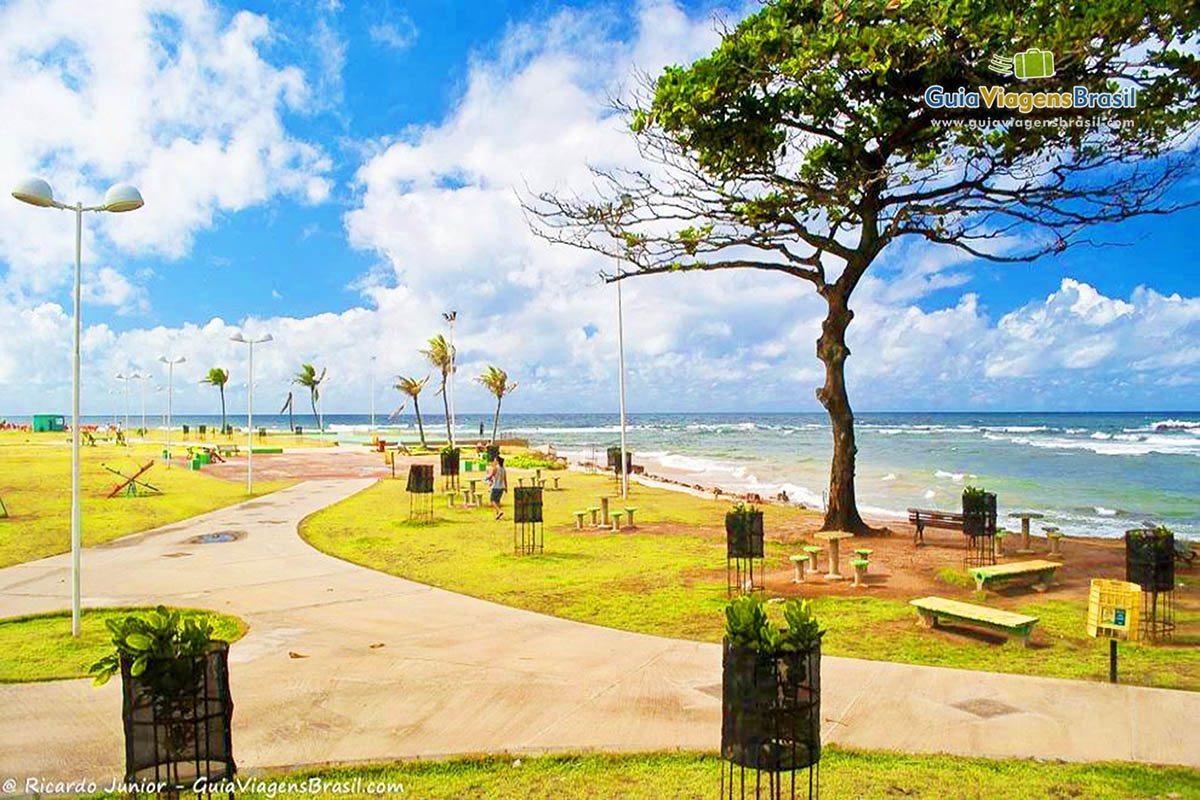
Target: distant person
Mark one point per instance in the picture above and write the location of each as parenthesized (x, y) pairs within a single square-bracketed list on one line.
[(497, 478), (481, 427)]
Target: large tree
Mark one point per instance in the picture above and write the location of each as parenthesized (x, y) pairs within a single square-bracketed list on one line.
[(804, 145), (218, 377), (412, 387), (309, 379)]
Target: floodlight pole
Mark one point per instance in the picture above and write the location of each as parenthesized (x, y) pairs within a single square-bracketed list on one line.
[(170, 362), (451, 317), (621, 384), (372, 392)]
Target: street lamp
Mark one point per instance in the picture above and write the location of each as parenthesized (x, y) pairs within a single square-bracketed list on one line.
[(143, 379), (119, 198), (127, 378), (621, 384), (372, 392), (170, 362), (451, 317), (237, 337)]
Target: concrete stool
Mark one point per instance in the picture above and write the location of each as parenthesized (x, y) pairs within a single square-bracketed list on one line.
[(595, 512), (1055, 537), (814, 553), (798, 561), (860, 570), (478, 499), (629, 514), (556, 484), (1000, 537), (616, 519), (520, 481), (579, 520), (863, 552), (450, 499), (466, 497)]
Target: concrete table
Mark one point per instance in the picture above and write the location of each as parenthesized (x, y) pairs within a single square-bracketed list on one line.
[(1025, 516), (834, 538)]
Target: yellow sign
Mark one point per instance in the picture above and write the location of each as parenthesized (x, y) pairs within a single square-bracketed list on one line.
[(1114, 608)]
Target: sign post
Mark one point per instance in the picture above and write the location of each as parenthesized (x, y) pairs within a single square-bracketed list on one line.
[(1113, 613)]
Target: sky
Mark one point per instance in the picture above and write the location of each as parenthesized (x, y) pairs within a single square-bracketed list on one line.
[(338, 175)]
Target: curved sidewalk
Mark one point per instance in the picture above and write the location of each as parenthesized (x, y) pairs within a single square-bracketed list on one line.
[(458, 675)]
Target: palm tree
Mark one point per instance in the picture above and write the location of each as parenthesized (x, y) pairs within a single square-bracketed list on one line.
[(218, 377), (307, 377), (412, 387), (496, 382), (441, 356)]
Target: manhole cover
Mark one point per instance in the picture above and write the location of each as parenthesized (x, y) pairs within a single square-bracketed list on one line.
[(216, 538), (984, 708)]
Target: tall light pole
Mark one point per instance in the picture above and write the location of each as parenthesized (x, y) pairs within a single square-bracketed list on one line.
[(170, 362), (621, 384), (143, 379), (133, 376), (237, 337), (451, 317), (372, 392), (119, 198)]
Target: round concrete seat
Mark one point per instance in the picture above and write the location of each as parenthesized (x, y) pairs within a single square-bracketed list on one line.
[(814, 552), (860, 570), (579, 515), (616, 519), (798, 561), (629, 515)]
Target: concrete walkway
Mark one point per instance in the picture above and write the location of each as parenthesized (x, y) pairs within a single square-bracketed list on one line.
[(458, 675)]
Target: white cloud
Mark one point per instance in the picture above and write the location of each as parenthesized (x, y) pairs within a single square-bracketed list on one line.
[(398, 33), (174, 97)]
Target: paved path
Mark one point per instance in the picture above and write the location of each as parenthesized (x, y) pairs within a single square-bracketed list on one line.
[(460, 675)]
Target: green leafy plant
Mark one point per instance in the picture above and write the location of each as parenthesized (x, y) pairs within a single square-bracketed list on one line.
[(748, 626), (449, 451), (534, 461), (164, 649), (972, 492)]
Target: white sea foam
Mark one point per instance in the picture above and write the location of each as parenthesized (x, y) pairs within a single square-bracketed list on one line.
[(1174, 425), (957, 477), (891, 476), (1105, 512), (930, 494)]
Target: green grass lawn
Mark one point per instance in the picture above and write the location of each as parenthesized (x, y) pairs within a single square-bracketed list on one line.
[(40, 647), (35, 484), (687, 776), (670, 580)]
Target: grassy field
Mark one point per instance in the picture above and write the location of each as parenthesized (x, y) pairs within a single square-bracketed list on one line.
[(40, 647), (669, 579), (686, 776), (35, 485)]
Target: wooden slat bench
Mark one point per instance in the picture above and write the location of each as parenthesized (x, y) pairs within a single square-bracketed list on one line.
[(1041, 573), (922, 518), (935, 609)]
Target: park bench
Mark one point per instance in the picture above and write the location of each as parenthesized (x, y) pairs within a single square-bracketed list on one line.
[(936, 609), (922, 518), (1041, 573)]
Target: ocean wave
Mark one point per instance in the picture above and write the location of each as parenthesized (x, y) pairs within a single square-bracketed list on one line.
[(1174, 425), (1112, 444), (891, 476)]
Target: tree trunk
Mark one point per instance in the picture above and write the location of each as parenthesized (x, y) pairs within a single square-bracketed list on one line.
[(842, 511), (222, 388), (312, 401), (420, 427), (496, 420), (446, 406)]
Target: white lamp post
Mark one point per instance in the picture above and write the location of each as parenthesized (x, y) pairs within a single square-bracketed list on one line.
[(372, 392), (121, 197), (621, 384), (127, 378), (451, 317), (170, 362), (237, 337), (143, 379)]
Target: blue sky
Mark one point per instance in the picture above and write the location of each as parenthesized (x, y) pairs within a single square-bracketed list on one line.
[(338, 174)]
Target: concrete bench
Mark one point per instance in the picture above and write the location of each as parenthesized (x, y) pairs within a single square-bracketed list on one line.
[(1039, 573), (922, 518), (934, 610)]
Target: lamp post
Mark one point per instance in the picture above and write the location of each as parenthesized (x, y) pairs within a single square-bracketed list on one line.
[(451, 317), (237, 337), (127, 378), (117, 199), (170, 362), (621, 384), (372, 392), (143, 379)]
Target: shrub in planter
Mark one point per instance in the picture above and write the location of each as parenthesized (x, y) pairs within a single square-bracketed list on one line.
[(493, 450), (177, 710), (771, 687), (614, 459), (744, 532), (1150, 558), (527, 504), (450, 459), (979, 512)]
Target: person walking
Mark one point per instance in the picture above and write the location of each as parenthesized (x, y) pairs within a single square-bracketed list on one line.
[(497, 478)]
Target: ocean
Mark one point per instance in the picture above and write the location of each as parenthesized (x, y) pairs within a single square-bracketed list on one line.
[(1094, 474)]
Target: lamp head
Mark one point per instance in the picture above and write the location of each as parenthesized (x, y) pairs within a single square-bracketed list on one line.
[(122, 197), (267, 338), (237, 337), (34, 191)]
